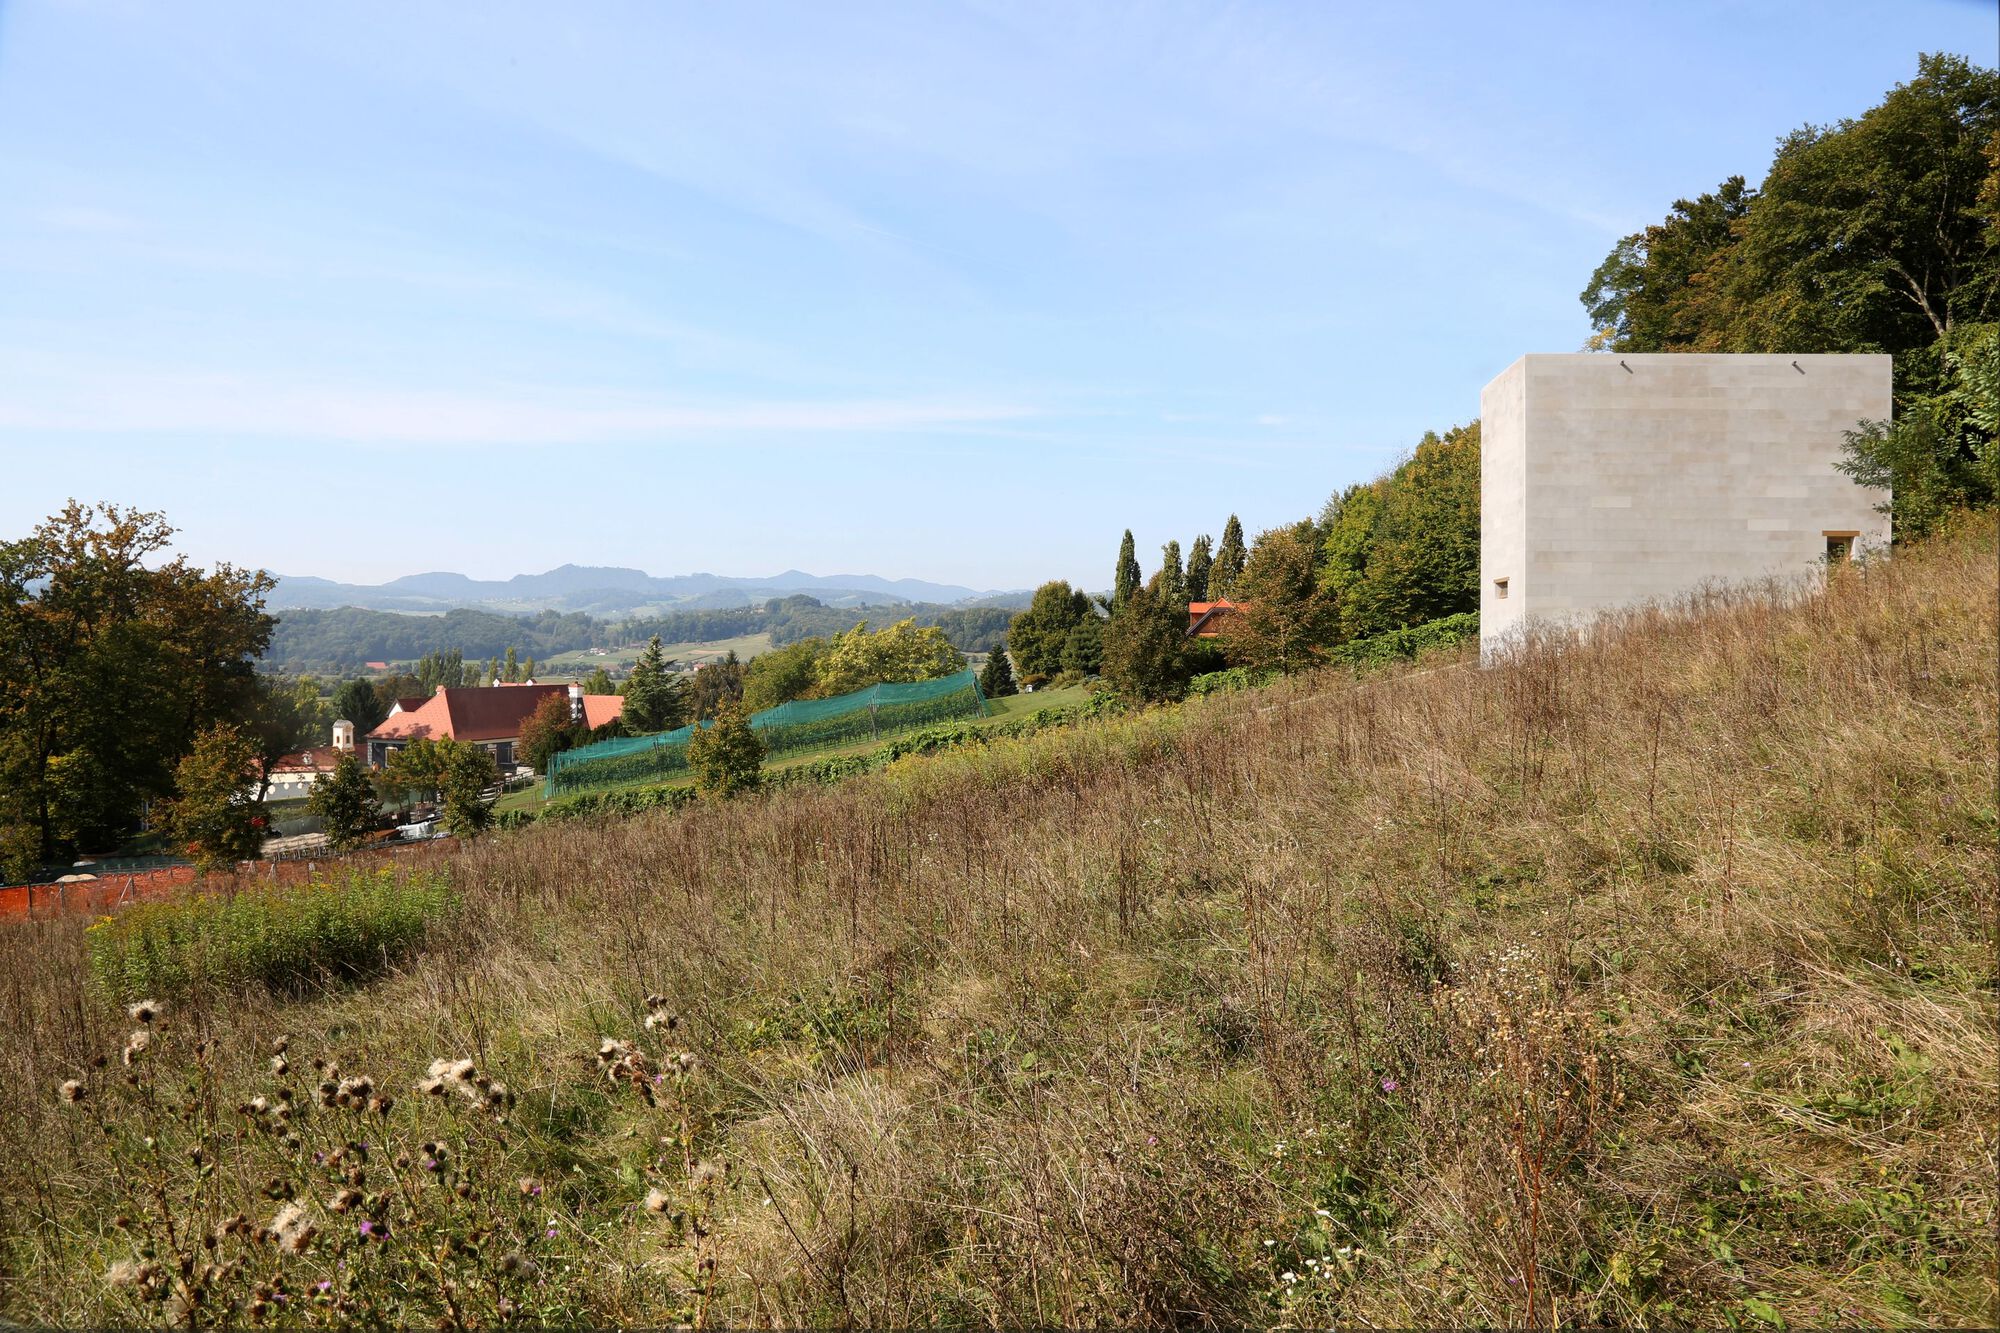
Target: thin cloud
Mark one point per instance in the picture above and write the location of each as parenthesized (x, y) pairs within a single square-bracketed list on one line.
[(232, 406)]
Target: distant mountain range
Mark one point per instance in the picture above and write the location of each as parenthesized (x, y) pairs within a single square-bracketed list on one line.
[(606, 591)]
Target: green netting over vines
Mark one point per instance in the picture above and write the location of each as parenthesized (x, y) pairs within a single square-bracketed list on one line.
[(803, 724)]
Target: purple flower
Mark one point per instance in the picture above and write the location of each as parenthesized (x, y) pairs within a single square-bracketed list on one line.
[(1390, 1085), (325, 1284), (430, 1164), (552, 1233), (367, 1227)]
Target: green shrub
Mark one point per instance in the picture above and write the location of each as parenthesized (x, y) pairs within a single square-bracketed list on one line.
[(285, 937), (1228, 682), (1401, 645)]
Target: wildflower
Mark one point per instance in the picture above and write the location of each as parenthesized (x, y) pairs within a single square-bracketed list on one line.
[(72, 1091), (1390, 1085), (663, 1022), (124, 1273), (136, 1044), (345, 1201), (280, 1066), (683, 1063), (611, 1050), (354, 1092), (256, 1106), (516, 1264), (431, 1087), (381, 1104), (145, 1011), (656, 1002), (280, 1045), (529, 1186), (707, 1174), (656, 1202)]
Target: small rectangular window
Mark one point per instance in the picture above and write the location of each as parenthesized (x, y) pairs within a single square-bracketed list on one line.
[(1500, 589), (1840, 546)]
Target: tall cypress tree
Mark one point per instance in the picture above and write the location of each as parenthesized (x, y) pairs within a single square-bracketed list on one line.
[(1125, 581), (997, 680), (1201, 559), (1229, 560), (1173, 583)]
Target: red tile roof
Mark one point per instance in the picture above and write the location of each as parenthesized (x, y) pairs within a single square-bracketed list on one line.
[(1202, 616), (484, 713), (318, 759)]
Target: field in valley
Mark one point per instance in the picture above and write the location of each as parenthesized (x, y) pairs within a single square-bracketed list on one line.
[(1647, 980)]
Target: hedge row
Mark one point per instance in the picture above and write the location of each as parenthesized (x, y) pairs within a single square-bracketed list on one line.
[(1403, 644)]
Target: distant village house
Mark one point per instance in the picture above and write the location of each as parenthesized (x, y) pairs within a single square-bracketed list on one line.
[(487, 715)]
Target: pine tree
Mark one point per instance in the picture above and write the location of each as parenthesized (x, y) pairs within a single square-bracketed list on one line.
[(1125, 581), (997, 680), (654, 700), (1201, 558), (1173, 583), (1230, 558)]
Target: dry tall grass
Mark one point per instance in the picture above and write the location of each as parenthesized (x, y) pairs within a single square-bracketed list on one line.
[(1647, 980)]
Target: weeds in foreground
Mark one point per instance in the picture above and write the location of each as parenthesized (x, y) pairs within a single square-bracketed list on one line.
[(1643, 981)]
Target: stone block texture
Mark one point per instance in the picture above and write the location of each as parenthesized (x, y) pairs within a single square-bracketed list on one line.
[(1611, 480)]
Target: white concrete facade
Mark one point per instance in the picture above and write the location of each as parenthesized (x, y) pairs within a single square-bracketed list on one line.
[(1611, 480)]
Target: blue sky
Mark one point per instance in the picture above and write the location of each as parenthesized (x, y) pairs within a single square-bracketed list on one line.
[(953, 291)]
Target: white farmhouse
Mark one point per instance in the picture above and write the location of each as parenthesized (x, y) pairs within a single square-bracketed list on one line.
[(1610, 480)]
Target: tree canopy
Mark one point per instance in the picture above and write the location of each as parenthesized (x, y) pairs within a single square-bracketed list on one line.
[(109, 670), (902, 652), (1039, 634)]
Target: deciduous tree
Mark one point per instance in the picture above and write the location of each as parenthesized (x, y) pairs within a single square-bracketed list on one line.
[(1144, 644), (111, 663), (1287, 618), (783, 674), (345, 800), (1037, 635), (358, 703), (215, 817), (726, 756)]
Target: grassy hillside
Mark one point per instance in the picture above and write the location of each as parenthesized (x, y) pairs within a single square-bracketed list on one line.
[(619, 660), (1649, 981)]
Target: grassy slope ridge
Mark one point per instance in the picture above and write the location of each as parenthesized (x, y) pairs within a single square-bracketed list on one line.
[(1645, 982)]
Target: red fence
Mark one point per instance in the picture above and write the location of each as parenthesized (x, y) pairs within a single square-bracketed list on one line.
[(100, 896)]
